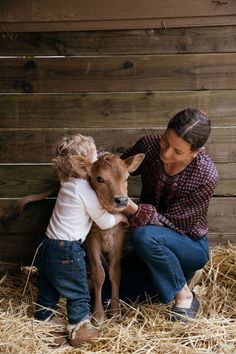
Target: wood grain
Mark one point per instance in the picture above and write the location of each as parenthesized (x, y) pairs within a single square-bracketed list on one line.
[(92, 10), (19, 238), (197, 21), (19, 180), (148, 41), (103, 14), (119, 73), (112, 110), (38, 145)]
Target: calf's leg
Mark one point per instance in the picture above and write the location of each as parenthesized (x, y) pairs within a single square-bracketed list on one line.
[(115, 270), (98, 277), (114, 275)]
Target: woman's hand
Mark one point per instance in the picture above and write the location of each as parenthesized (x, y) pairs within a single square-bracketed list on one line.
[(131, 208)]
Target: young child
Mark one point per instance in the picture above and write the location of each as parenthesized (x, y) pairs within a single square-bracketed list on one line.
[(61, 264)]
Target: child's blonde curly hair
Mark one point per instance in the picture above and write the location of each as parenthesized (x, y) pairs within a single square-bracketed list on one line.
[(70, 146)]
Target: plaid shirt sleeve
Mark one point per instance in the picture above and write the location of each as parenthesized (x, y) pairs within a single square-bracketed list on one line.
[(182, 215), (145, 215)]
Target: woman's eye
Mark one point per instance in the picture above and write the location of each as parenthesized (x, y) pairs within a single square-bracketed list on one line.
[(178, 152), (100, 179)]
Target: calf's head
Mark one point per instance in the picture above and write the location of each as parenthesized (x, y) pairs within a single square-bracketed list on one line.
[(109, 177)]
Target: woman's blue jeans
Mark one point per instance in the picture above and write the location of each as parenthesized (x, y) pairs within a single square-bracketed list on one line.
[(169, 256), (62, 272)]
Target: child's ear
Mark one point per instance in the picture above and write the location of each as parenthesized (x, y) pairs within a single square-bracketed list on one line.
[(81, 166)]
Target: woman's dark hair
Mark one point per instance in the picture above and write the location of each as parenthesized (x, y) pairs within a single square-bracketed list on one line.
[(193, 126)]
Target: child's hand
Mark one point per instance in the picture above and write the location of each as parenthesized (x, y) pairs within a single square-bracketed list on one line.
[(121, 218), (124, 220)]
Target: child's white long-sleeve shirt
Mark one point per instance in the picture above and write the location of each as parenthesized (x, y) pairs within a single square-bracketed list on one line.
[(77, 206)]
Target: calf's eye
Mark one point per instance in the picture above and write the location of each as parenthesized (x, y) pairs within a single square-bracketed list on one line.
[(100, 179)]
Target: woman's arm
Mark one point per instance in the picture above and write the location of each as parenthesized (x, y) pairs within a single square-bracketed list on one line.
[(182, 215)]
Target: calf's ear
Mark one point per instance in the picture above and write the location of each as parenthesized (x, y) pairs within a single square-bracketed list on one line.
[(133, 162), (81, 166)]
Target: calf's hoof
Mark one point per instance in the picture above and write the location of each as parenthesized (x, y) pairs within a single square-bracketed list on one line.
[(114, 310), (114, 313), (98, 317), (85, 333)]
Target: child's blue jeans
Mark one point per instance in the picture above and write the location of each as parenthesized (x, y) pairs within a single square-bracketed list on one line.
[(62, 272)]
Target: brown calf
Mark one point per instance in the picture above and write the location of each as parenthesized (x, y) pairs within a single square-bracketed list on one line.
[(108, 176)]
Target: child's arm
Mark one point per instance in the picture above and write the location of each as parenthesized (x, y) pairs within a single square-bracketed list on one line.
[(98, 214)]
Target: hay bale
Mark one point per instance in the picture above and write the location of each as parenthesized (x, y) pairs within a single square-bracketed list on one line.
[(143, 328)]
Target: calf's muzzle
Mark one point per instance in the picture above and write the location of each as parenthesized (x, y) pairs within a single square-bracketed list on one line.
[(121, 201)]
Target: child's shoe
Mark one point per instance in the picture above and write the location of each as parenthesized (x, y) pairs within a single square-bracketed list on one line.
[(59, 338), (82, 332)]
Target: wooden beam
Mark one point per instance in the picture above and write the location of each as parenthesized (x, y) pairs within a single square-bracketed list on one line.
[(38, 145), (36, 216), (215, 39), (19, 180), (103, 14), (119, 73), (92, 10), (19, 238), (150, 23), (112, 110)]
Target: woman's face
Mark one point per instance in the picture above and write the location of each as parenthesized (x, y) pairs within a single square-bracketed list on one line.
[(175, 150)]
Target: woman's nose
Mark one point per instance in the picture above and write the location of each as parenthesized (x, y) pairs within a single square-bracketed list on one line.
[(167, 153)]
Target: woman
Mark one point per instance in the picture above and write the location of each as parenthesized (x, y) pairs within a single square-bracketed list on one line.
[(170, 224)]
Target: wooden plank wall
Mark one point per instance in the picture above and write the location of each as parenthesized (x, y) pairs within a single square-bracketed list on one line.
[(71, 15), (116, 85)]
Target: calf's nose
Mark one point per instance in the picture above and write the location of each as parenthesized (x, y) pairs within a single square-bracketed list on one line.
[(121, 201)]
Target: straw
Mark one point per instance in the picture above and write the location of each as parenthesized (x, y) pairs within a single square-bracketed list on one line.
[(141, 328)]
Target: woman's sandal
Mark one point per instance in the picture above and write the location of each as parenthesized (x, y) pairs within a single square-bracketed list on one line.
[(184, 314)]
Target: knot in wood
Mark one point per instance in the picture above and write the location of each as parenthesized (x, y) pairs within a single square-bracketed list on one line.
[(128, 65), (30, 64)]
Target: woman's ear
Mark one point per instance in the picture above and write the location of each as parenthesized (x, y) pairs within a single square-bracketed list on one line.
[(81, 165), (196, 152)]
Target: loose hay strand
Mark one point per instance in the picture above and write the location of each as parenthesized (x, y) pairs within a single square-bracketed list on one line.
[(142, 328), (30, 269)]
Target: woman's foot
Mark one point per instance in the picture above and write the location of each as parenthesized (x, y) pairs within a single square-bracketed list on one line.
[(184, 298), (184, 314)]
